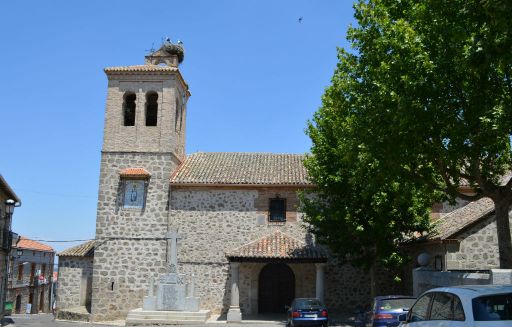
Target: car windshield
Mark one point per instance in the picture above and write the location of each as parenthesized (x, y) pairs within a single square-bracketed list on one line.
[(494, 307), (395, 304), (308, 304)]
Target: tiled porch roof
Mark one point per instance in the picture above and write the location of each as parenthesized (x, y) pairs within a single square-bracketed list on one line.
[(82, 250), (278, 246)]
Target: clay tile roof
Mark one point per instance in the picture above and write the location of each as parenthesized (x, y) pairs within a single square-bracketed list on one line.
[(134, 172), (83, 250), (141, 68), (29, 244), (242, 169), (463, 217), (278, 246)]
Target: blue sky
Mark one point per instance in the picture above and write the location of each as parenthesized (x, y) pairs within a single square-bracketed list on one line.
[(255, 72)]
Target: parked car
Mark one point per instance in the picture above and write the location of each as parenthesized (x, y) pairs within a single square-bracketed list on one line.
[(307, 312), (478, 305), (385, 311)]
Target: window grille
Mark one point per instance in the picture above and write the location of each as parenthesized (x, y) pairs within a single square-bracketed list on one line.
[(277, 210)]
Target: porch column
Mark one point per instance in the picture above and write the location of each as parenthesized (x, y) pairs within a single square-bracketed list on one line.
[(320, 276), (234, 314)]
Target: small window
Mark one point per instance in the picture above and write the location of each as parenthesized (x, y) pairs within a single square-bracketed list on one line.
[(134, 193), (492, 307), (419, 311), (151, 108), (181, 115), (277, 210), (177, 116), (446, 306), (129, 109), (441, 307)]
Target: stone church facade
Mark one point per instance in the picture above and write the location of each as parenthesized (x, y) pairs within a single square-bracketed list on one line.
[(242, 237)]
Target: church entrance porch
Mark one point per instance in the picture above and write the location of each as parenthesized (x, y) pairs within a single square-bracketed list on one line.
[(265, 275)]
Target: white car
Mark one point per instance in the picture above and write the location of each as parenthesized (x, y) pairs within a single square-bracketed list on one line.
[(476, 305)]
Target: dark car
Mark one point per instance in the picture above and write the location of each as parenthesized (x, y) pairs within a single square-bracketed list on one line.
[(307, 312), (385, 311)]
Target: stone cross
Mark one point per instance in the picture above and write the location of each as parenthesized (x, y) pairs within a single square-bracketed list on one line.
[(172, 253)]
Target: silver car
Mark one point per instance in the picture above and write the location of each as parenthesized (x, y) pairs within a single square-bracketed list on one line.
[(477, 305)]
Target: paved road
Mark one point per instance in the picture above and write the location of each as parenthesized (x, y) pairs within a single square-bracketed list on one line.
[(46, 320)]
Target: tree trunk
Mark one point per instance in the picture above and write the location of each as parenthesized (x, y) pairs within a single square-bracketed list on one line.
[(503, 230), (373, 280)]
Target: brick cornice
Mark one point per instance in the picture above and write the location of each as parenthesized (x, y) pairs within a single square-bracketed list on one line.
[(142, 70)]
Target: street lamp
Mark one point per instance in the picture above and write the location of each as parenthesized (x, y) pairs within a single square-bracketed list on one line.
[(9, 207)]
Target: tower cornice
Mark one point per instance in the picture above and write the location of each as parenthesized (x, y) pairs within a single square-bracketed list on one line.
[(113, 72)]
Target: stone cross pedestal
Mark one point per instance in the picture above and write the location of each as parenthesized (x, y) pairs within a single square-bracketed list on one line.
[(171, 288)]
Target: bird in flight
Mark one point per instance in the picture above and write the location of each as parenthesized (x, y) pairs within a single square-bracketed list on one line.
[(300, 19)]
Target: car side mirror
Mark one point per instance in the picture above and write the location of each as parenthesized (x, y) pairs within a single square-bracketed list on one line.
[(402, 317)]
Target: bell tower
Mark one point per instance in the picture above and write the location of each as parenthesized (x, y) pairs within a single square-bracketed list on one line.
[(143, 143), (146, 104)]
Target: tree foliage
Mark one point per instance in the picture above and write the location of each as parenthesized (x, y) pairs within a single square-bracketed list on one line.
[(419, 107)]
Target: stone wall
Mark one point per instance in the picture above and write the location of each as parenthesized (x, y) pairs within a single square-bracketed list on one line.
[(474, 248), (478, 248), (75, 278), (131, 246), (214, 221)]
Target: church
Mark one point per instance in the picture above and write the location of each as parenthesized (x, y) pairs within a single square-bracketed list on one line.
[(240, 232), (234, 218)]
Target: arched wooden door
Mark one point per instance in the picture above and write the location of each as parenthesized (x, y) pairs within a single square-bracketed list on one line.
[(276, 288)]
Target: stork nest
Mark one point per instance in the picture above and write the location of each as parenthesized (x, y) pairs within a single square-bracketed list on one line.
[(175, 49)]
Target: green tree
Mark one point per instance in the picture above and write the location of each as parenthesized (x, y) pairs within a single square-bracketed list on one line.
[(363, 207), (421, 105)]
